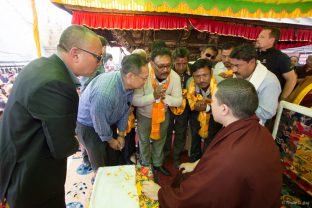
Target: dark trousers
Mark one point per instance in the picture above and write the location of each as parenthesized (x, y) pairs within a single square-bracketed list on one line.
[(178, 123), (129, 148), (213, 128), (99, 152)]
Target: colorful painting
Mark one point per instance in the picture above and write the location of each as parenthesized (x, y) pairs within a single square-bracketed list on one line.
[(293, 134)]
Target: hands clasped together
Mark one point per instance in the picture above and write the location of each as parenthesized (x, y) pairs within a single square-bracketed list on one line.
[(201, 105), (159, 92), (117, 144)]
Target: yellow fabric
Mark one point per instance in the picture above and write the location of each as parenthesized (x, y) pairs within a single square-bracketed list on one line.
[(229, 72), (181, 8), (203, 117), (303, 89), (302, 160), (35, 28), (158, 110), (213, 85), (179, 110), (302, 94), (131, 123)]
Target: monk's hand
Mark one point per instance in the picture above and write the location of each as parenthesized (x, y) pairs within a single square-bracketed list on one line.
[(200, 105), (188, 167), (114, 144), (150, 189), (121, 141)]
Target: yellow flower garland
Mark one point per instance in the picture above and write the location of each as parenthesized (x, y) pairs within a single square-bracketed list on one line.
[(203, 117), (179, 110)]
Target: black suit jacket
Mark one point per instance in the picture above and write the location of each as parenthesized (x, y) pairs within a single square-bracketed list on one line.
[(37, 135)]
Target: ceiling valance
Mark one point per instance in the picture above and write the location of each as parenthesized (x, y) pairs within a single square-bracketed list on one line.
[(225, 8), (129, 22), (170, 22)]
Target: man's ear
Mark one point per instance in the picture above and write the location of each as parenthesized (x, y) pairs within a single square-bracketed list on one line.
[(73, 54), (225, 110), (272, 40), (129, 75)]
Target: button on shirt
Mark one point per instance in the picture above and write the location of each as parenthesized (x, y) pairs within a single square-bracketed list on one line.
[(105, 102)]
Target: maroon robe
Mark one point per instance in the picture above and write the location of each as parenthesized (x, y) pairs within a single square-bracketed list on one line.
[(240, 168)]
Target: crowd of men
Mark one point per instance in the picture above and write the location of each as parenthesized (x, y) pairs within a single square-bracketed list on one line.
[(226, 104)]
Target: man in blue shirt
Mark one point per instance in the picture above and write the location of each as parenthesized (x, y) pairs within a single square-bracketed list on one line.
[(104, 106), (245, 66)]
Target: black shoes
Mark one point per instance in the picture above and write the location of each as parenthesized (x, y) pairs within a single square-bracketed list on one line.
[(163, 170)]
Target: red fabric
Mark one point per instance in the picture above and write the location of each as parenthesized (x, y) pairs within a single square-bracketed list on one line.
[(287, 35), (304, 35), (248, 31), (292, 45), (240, 168), (223, 28), (157, 22), (138, 22)]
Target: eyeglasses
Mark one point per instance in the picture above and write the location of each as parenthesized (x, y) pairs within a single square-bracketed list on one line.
[(143, 78), (162, 67), (97, 57), (208, 55)]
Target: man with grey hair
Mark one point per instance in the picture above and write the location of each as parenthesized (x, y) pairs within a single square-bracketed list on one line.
[(227, 174), (37, 131), (104, 107)]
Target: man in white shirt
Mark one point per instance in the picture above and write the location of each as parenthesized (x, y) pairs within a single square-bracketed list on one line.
[(222, 68), (163, 89), (245, 66)]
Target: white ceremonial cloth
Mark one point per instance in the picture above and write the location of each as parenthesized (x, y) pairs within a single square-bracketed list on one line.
[(114, 187)]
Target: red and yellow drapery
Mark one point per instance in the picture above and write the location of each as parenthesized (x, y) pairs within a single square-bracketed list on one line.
[(294, 37), (222, 8)]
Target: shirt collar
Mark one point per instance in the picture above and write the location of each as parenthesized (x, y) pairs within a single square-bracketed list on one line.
[(121, 84), (267, 50), (202, 92), (71, 74)]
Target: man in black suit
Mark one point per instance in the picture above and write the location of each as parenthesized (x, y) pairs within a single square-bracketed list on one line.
[(37, 131)]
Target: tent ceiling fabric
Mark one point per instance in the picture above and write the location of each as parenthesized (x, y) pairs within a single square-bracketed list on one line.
[(166, 22), (137, 23), (225, 8), (129, 22)]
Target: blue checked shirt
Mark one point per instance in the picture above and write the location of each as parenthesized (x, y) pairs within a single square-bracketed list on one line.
[(105, 102)]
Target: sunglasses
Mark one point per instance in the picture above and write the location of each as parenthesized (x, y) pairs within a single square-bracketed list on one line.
[(208, 55), (97, 57)]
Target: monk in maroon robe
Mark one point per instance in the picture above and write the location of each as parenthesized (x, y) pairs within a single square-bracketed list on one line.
[(240, 168)]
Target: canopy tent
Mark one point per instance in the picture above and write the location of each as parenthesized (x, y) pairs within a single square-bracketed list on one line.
[(188, 23), (225, 8)]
